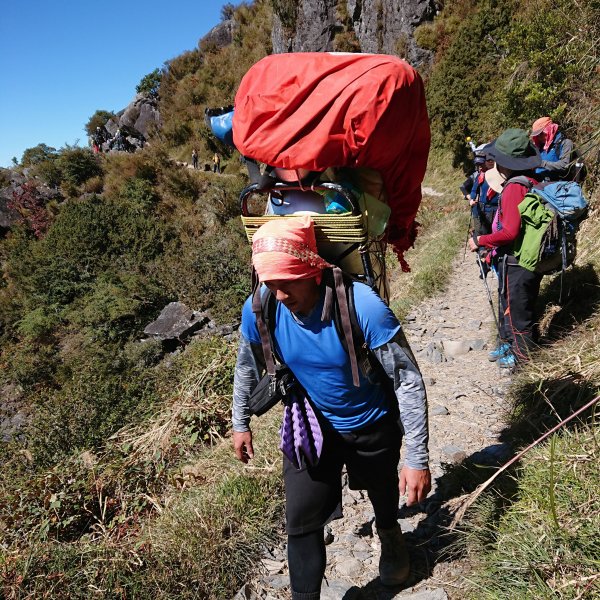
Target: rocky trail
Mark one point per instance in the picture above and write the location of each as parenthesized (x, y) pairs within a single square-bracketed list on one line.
[(450, 335)]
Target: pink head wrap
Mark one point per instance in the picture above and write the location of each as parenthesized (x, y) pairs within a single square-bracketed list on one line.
[(286, 248), (544, 125), (539, 125)]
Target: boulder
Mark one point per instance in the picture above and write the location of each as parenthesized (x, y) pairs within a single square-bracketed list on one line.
[(112, 125), (136, 118), (175, 323), (454, 348), (148, 115), (8, 216), (219, 36), (131, 113)]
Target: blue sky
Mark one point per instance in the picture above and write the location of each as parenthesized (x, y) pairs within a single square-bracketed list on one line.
[(61, 60)]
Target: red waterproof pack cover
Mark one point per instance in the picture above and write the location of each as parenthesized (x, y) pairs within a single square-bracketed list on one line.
[(318, 110)]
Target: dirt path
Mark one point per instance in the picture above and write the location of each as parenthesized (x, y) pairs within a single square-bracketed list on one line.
[(451, 336)]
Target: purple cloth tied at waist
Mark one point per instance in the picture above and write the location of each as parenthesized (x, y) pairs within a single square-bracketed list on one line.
[(300, 431)]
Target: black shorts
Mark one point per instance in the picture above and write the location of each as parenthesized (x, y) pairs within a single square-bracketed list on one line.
[(314, 494)]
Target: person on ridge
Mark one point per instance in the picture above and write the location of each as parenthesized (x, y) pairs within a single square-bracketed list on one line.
[(359, 424), (194, 158), (555, 150), (216, 163), (516, 160)]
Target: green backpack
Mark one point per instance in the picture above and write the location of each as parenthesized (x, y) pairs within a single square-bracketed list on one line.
[(550, 218)]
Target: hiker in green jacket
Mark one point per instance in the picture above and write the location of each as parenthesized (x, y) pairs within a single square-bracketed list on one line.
[(518, 288)]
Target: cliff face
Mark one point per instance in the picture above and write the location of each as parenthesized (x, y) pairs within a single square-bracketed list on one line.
[(384, 26)]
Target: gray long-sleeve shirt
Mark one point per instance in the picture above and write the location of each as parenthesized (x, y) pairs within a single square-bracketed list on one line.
[(400, 366), (557, 168)]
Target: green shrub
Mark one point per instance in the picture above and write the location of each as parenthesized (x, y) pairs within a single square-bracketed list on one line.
[(49, 172), (78, 165), (139, 192), (99, 392), (150, 84), (38, 323), (30, 363), (118, 306), (426, 36), (210, 272), (87, 237), (464, 82)]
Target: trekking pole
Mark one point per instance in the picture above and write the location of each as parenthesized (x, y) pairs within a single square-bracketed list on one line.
[(489, 294), (468, 234)]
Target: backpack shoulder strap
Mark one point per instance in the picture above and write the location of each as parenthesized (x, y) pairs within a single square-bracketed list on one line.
[(269, 315), (357, 333), (522, 180)]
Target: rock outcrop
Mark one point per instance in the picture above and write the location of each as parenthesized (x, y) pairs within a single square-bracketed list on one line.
[(9, 181), (137, 120), (378, 26), (219, 36), (175, 323)]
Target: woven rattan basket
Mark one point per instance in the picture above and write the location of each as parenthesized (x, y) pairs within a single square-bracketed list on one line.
[(328, 228)]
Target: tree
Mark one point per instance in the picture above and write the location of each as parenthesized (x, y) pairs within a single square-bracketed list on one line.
[(150, 84), (227, 11), (98, 119), (38, 154)]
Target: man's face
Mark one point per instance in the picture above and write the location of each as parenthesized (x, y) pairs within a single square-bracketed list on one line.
[(489, 164), (298, 295), (540, 139)]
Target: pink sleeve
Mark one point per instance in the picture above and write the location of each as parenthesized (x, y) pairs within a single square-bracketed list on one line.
[(510, 219)]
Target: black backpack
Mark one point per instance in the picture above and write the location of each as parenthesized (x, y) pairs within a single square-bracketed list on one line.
[(577, 169)]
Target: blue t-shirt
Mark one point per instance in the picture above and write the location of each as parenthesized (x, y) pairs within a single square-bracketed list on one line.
[(313, 351)]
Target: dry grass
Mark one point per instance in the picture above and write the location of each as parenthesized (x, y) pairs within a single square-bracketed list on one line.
[(191, 402), (444, 219)]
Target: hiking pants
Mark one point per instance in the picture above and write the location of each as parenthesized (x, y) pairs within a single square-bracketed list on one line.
[(482, 220), (518, 290), (314, 494)]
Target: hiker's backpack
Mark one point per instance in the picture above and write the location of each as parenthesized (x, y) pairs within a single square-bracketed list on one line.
[(550, 219)]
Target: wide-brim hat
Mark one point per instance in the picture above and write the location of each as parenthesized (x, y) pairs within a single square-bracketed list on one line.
[(515, 151), (495, 180)]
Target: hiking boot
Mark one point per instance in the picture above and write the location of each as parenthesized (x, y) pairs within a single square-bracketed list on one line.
[(508, 361), (394, 563), (499, 352)]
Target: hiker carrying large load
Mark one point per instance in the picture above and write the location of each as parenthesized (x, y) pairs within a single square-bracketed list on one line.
[(352, 128), (345, 140)]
